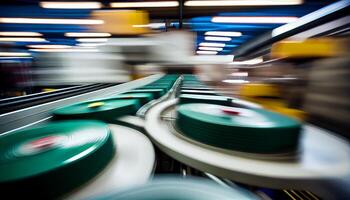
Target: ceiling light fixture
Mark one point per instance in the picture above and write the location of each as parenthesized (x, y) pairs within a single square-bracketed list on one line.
[(50, 46), (213, 38), (149, 4), (243, 3), (22, 39), (71, 5), (49, 21), (28, 34), (92, 39), (14, 54), (88, 34), (210, 48), (254, 20), (223, 33), (212, 44)]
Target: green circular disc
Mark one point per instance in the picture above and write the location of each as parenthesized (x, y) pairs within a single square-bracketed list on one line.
[(52, 159), (171, 188), (142, 97), (211, 99), (156, 92), (103, 109), (247, 130), (203, 92)]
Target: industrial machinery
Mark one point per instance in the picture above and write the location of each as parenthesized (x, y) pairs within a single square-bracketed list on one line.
[(151, 120)]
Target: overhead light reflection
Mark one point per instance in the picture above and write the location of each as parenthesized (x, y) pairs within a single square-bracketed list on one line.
[(71, 5), (92, 39), (254, 20), (87, 34), (65, 50), (49, 21), (212, 38), (210, 48), (149, 4), (243, 3), (14, 54), (22, 39), (212, 44), (28, 34), (223, 33), (49, 46)]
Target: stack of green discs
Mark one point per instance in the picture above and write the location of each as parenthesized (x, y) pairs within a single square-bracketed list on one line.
[(142, 97), (156, 92), (203, 92), (171, 188), (103, 109), (195, 88), (50, 160), (240, 129), (162, 87), (211, 99)]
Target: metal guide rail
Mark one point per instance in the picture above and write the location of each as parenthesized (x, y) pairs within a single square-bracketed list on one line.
[(25, 117)]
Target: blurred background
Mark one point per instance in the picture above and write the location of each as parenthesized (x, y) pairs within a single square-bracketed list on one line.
[(286, 56), (291, 56)]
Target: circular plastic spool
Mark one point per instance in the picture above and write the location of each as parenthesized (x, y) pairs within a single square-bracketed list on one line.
[(132, 165), (142, 97), (103, 109), (181, 189), (49, 160), (240, 129), (322, 166)]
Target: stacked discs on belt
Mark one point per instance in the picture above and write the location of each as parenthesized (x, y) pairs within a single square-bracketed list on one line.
[(180, 189), (53, 159), (246, 130), (142, 97), (211, 99), (104, 109), (203, 92)]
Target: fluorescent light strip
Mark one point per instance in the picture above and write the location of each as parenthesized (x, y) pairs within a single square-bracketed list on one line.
[(87, 34), (71, 5), (240, 74), (243, 3), (24, 57), (14, 54), (210, 48), (23, 39), (235, 81), (207, 52), (30, 34), (92, 39), (64, 50), (50, 21), (254, 20), (212, 44), (49, 46), (213, 38), (150, 4), (223, 33), (151, 25)]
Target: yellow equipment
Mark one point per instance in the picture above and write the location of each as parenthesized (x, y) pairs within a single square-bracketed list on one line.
[(122, 22), (310, 48), (269, 96)]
